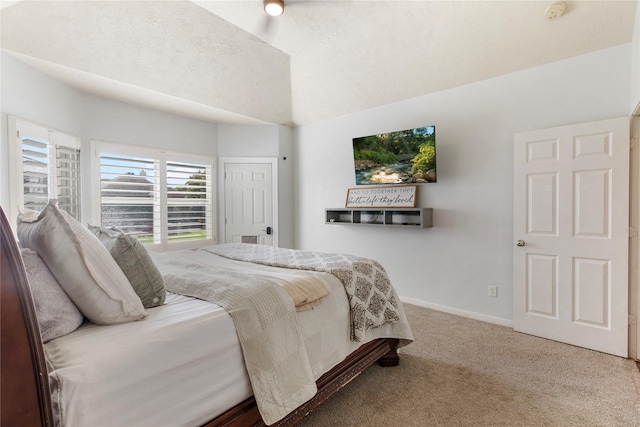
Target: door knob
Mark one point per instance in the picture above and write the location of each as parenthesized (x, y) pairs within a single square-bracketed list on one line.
[(520, 243)]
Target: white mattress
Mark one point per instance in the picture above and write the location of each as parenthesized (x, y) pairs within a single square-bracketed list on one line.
[(182, 365)]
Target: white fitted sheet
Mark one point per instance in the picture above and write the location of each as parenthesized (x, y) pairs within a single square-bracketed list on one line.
[(182, 365)]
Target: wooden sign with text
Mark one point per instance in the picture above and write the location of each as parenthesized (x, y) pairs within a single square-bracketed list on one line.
[(402, 196)]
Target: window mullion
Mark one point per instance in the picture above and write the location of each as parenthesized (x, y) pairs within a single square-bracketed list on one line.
[(161, 201), (51, 158), (209, 201)]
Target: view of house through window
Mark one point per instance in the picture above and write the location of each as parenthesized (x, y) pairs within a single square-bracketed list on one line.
[(129, 190), (161, 198)]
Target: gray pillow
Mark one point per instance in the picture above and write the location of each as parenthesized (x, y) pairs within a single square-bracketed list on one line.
[(57, 315), (136, 264), (82, 266)]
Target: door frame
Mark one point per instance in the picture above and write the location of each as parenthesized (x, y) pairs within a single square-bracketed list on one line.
[(222, 161), (634, 247)]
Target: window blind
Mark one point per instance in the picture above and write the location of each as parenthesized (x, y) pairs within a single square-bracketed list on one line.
[(49, 166), (188, 200), (161, 198), (35, 173), (129, 195), (68, 179)]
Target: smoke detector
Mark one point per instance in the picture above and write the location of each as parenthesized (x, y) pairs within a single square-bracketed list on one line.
[(555, 10)]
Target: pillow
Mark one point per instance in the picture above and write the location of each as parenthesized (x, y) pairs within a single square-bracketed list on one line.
[(56, 313), (136, 264), (82, 265)]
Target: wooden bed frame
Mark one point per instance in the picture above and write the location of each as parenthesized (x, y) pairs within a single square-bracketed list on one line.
[(25, 397)]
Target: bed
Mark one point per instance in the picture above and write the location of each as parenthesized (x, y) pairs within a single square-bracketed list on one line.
[(187, 361)]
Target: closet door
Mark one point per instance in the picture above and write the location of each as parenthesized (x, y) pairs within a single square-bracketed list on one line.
[(571, 232), (249, 214)]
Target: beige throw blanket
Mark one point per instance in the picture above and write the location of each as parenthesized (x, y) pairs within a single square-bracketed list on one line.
[(372, 299), (265, 319), (305, 288)]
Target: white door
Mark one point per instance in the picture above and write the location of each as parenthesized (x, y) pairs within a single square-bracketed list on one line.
[(571, 207), (248, 195)]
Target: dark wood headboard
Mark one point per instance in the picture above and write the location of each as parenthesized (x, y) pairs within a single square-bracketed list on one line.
[(24, 387)]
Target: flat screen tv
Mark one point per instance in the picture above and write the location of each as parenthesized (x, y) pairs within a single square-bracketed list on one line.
[(401, 157)]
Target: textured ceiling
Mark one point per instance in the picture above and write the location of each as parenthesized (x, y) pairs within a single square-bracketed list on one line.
[(319, 60), (125, 50)]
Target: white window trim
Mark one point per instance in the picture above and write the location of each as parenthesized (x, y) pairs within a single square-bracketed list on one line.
[(97, 147), (16, 192)]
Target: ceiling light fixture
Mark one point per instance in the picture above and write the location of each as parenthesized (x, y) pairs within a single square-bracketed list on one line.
[(274, 7)]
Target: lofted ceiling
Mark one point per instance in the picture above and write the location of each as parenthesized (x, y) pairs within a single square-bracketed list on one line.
[(227, 61)]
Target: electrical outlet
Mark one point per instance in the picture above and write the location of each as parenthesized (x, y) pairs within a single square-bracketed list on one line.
[(493, 291)]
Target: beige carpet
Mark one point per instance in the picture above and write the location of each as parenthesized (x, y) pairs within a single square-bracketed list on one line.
[(462, 372)]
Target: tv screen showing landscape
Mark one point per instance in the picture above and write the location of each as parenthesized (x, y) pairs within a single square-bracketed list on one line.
[(401, 157)]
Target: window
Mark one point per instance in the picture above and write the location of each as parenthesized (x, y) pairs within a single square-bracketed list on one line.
[(162, 198), (44, 164)]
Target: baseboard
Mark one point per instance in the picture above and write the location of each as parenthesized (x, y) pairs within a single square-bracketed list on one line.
[(464, 313)]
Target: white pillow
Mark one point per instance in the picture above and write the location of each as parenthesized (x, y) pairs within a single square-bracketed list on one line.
[(82, 265)]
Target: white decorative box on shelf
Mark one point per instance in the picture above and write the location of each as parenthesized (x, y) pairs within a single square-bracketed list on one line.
[(398, 217)]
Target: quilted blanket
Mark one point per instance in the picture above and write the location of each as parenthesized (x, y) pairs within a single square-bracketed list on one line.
[(372, 299)]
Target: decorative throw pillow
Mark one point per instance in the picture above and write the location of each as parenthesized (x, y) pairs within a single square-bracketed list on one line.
[(82, 265), (56, 313), (136, 264)]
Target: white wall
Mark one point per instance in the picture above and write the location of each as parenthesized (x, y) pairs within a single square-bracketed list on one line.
[(470, 246), (113, 121), (240, 140), (286, 188)]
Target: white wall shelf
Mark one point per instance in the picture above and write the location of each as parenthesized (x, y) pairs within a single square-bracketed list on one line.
[(398, 217)]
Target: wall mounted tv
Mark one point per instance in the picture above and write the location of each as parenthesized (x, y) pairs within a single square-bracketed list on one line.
[(401, 157)]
